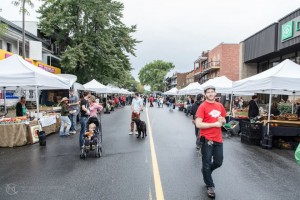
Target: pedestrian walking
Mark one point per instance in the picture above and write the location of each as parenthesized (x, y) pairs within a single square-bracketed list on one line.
[(136, 107), (151, 100), (94, 107), (84, 111), (194, 108), (171, 103), (74, 107), (210, 117), (64, 112)]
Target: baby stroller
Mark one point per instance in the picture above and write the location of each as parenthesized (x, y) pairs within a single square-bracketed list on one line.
[(95, 142)]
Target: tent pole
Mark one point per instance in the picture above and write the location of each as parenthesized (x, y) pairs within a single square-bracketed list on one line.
[(293, 102), (37, 101), (230, 106), (4, 99), (269, 112)]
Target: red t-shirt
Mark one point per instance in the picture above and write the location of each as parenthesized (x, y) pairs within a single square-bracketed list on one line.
[(210, 112)]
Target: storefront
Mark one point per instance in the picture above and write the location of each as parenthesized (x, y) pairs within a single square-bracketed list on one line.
[(264, 50)]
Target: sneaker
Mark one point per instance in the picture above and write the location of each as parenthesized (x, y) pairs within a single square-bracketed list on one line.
[(211, 192), (130, 133), (136, 133)]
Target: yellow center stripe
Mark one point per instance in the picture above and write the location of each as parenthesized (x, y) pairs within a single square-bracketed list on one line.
[(157, 182)]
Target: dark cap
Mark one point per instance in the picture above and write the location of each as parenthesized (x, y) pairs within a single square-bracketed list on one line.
[(209, 87)]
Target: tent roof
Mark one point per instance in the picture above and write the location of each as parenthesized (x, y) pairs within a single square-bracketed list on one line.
[(95, 86), (15, 71), (192, 88), (173, 91), (223, 85), (70, 77), (284, 78)]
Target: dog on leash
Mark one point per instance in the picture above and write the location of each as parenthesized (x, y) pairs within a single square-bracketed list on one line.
[(141, 127)]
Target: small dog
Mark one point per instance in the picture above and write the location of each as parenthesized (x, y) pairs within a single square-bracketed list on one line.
[(141, 127)]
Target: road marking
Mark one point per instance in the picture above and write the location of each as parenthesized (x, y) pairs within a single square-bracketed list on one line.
[(157, 182)]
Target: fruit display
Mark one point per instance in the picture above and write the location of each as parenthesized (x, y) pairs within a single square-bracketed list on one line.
[(13, 120), (283, 143)]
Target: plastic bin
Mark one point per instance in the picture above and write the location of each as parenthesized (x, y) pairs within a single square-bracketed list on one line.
[(252, 130), (250, 140), (232, 127)]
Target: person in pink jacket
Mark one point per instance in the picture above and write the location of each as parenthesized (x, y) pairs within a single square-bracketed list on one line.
[(94, 107)]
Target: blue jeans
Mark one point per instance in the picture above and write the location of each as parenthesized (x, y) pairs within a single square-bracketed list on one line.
[(171, 106), (212, 158), (64, 120), (83, 121), (73, 118)]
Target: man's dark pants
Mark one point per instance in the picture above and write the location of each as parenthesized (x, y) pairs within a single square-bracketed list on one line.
[(212, 158)]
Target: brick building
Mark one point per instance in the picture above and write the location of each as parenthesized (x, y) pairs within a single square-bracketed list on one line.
[(223, 60)]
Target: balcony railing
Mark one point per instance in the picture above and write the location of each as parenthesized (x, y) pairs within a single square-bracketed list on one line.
[(213, 65)]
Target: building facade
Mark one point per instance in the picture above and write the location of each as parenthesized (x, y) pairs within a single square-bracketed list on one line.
[(223, 60), (11, 43), (272, 45)]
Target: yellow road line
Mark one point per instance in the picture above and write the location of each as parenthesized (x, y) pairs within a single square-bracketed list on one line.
[(157, 182)]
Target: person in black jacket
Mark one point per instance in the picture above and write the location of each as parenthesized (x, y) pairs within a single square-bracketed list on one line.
[(194, 108), (253, 107), (20, 107)]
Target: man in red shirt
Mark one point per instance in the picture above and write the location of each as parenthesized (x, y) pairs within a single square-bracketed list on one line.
[(210, 117)]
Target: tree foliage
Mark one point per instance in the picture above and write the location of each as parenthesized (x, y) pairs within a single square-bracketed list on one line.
[(20, 3), (3, 29), (96, 43), (154, 73)]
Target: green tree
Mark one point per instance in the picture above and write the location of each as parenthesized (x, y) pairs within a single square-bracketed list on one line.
[(154, 73), (24, 11), (95, 42), (3, 28)]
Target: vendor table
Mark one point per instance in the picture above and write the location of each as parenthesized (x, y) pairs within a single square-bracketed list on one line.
[(283, 128), (13, 134), (19, 134)]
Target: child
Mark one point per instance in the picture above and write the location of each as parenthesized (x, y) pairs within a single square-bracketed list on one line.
[(90, 135)]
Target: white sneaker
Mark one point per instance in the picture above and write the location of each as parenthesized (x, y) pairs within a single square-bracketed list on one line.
[(136, 133), (130, 133)]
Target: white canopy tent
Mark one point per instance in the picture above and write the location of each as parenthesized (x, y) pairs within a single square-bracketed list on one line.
[(70, 77), (16, 72), (284, 78), (95, 86), (192, 89), (173, 91)]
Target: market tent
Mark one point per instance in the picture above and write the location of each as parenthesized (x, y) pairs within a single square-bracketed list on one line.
[(284, 78), (113, 89), (16, 72), (70, 77), (191, 89), (173, 91), (95, 86), (124, 91)]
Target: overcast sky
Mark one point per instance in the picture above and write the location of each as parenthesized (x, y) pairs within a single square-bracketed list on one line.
[(178, 31)]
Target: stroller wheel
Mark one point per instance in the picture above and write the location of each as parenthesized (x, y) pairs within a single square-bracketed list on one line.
[(98, 152), (83, 155)]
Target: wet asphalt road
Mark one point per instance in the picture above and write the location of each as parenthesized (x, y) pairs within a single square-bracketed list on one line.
[(125, 170)]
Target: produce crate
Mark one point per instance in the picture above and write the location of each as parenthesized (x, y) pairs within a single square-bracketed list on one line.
[(252, 130), (250, 140), (232, 127)]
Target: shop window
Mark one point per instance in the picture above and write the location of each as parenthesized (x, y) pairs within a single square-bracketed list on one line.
[(9, 47), (298, 25), (290, 56)]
